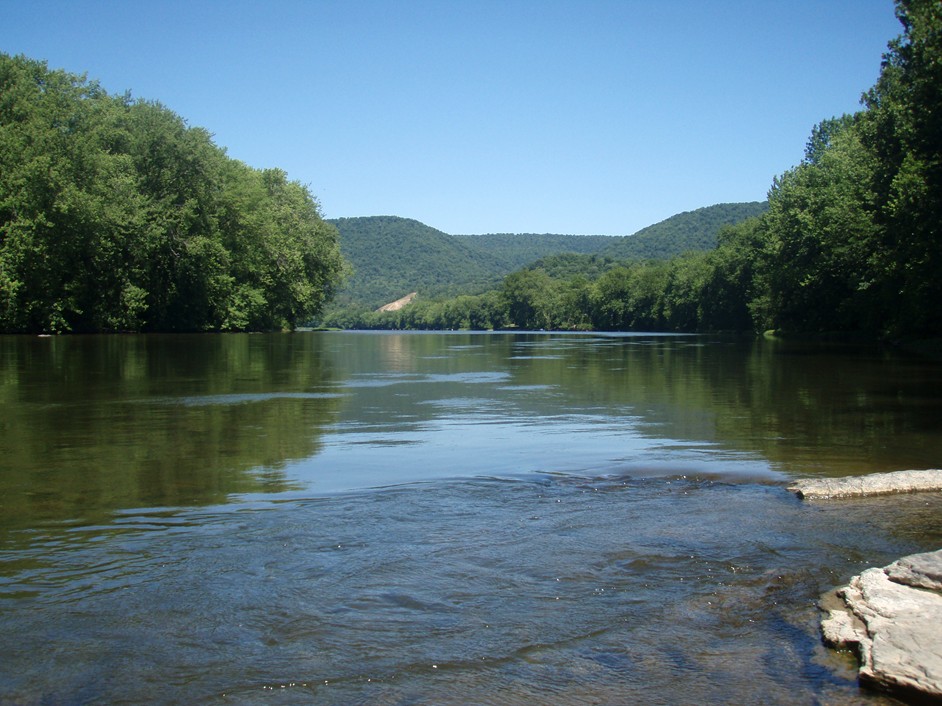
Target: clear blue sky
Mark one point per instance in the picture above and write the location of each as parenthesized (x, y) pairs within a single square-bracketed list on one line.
[(476, 116)]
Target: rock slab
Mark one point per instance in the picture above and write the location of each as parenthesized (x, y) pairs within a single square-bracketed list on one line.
[(892, 618), (872, 484)]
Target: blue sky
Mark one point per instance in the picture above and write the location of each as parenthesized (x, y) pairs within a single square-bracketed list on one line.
[(478, 116)]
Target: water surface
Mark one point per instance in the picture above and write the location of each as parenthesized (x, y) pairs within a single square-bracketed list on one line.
[(443, 518)]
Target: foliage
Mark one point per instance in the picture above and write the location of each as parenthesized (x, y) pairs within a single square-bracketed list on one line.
[(569, 265), (853, 231), (902, 131), (117, 216), (821, 236), (687, 231), (391, 256), (517, 250), (732, 298)]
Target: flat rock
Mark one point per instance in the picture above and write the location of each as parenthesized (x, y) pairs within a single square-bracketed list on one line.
[(892, 618), (872, 484), (918, 571)]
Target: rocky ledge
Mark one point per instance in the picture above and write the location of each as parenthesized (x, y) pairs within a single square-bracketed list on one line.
[(892, 619), (892, 616), (872, 484)]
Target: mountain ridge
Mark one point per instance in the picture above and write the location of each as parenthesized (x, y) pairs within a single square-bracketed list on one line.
[(392, 255)]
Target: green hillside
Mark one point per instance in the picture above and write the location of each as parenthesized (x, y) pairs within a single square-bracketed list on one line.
[(392, 256), (516, 250), (690, 230)]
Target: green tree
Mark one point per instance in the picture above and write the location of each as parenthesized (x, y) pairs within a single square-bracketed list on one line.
[(529, 296), (630, 298), (822, 238), (683, 291), (853, 231), (731, 299), (115, 215), (67, 203), (902, 131)]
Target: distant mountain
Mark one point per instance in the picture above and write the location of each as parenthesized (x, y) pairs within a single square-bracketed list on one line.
[(690, 230), (393, 256)]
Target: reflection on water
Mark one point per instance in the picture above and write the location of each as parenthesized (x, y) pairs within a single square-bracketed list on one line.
[(506, 405), (555, 519), (95, 424)]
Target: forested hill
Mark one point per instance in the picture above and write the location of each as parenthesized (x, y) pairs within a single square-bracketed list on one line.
[(516, 250), (687, 231), (392, 256)]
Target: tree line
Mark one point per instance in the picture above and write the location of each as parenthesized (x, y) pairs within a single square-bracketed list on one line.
[(849, 243), (115, 215), (694, 292)]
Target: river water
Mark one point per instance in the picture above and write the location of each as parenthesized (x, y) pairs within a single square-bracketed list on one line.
[(385, 518)]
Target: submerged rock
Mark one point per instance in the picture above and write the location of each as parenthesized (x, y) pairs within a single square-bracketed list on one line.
[(892, 619), (872, 484)]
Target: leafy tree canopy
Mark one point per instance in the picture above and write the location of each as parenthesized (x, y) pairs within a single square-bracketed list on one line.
[(115, 215)]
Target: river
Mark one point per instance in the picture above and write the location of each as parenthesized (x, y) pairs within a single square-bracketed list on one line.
[(415, 518)]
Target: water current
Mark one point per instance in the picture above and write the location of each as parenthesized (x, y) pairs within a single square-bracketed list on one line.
[(384, 518)]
